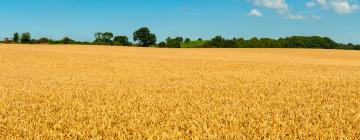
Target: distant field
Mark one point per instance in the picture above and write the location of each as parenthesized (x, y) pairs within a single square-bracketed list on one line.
[(193, 44), (54, 91)]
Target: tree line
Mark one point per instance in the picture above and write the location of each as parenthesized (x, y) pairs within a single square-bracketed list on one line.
[(144, 38), (288, 42)]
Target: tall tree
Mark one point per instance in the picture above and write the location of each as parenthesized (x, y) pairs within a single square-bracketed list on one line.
[(16, 37), (144, 37)]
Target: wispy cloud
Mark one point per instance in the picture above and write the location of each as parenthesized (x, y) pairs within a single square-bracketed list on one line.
[(310, 4), (296, 17), (315, 17)]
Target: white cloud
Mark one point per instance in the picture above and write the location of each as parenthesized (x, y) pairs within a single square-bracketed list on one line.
[(310, 4), (322, 2), (283, 8), (255, 13), (338, 6), (279, 5), (343, 7), (296, 17)]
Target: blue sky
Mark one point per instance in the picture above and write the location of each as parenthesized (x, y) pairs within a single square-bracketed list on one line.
[(80, 19)]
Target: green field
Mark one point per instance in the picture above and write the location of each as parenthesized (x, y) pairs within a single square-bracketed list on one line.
[(192, 44)]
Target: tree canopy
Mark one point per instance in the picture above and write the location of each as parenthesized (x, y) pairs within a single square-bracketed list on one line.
[(25, 38), (144, 37), (105, 37), (121, 40)]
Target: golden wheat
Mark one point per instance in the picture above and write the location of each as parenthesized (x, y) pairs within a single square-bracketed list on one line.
[(99, 92)]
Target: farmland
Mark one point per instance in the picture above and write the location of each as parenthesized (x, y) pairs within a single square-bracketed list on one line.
[(70, 91)]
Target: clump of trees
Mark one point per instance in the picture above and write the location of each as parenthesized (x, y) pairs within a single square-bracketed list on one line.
[(145, 38), (121, 41), (171, 43), (308, 42), (103, 38), (108, 38), (288, 42), (67, 40), (220, 42), (43, 40)]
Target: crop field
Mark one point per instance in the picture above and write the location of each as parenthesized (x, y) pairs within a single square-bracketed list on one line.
[(101, 92)]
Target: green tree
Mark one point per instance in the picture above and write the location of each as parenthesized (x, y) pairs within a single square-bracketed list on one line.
[(180, 39), (105, 37), (241, 43), (16, 38), (308, 42), (187, 40), (253, 42), (144, 37), (43, 40), (229, 44), (356, 47), (173, 43), (162, 44), (121, 40), (220, 42), (25, 37), (67, 40), (216, 42)]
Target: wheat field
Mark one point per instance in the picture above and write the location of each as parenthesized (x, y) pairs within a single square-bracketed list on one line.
[(101, 92)]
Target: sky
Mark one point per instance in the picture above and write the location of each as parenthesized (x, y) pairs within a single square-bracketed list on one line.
[(80, 19)]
